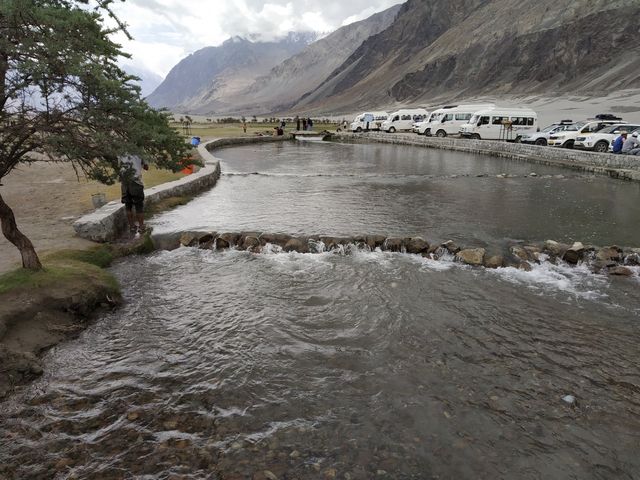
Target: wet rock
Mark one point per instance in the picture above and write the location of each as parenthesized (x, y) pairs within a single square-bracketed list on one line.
[(375, 241), (331, 243), (296, 245), (534, 252), (471, 256), (554, 248), (330, 473), (574, 253), (524, 266), (221, 243), (520, 252), (621, 271), (450, 246), (231, 238), (251, 243), (570, 400), (393, 244), (274, 239), (417, 245), (269, 475), (609, 254), (206, 241), (133, 416), (294, 454), (632, 257), (188, 239), (495, 261), (533, 174)]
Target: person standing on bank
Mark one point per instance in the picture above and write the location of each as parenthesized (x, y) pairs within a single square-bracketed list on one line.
[(131, 167), (309, 123), (297, 123), (304, 123)]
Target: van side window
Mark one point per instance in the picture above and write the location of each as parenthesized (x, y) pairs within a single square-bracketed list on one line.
[(418, 118), (531, 121), (396, 118), (484, 121), (496, 120), (463, 116), (448, 117), (406, 117)]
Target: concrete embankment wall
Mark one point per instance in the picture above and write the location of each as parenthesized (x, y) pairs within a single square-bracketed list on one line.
[(108, 222), (625, 167)]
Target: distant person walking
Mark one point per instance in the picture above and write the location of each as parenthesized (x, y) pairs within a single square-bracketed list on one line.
[(619, 142), (244, 127), (309, 124), (297, 123), (132, 188), (283, 124), (304, 124)]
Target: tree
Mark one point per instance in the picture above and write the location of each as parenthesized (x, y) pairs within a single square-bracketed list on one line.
[(65, 97)]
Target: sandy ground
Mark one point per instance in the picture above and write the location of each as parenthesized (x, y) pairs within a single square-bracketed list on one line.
[(46, 199)]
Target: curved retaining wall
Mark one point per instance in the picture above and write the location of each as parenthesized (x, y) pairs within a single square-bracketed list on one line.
[(108, 222), (617, 166)]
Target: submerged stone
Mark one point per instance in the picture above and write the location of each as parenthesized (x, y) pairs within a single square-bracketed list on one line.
[(496, 261), (621, 271), (451, 247), (393, 244), (375, 241), (609, 254), (279, 239)]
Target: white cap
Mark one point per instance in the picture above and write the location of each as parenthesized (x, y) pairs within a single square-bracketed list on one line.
[(634, 134)]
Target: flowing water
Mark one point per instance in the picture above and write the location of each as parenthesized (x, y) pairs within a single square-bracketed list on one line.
[(372, 365)]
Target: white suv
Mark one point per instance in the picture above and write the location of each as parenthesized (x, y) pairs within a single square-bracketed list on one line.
[(600, 141), (567, 137), (542, 137)]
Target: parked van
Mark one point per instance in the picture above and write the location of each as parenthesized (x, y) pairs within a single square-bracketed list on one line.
[(452, 119), (422, 128), (368, 121), (404, 119), (499, 123)]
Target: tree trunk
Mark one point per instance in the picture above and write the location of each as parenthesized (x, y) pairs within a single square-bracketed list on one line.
[(10, 230)]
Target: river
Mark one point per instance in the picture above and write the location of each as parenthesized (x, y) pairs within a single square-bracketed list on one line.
[(232, 365)]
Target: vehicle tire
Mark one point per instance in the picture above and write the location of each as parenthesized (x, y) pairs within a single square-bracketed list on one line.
[(392, 130), (359, 130), (568, 144), (541, 142), (441, 133), (602, 146), (518, 139), (475, 136)]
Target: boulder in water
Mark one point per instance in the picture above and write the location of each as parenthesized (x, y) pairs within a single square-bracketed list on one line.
[(495, 261), (231, 238), (520, 252), (375, 241), (417, 245), (574, 253), (251, 243), (393, 244), (471, 256), (206, 241), (222, 243), (451, 247), (621, 271), (188, 239), (609, 254), (274, 239), (296, 245), (554, 248)]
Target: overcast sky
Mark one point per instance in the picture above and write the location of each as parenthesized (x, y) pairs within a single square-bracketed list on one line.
[(165, 31)]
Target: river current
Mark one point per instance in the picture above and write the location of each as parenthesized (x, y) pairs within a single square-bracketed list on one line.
[(372, 365)]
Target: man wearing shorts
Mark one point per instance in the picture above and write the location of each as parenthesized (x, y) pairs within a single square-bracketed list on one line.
[(131, 167)]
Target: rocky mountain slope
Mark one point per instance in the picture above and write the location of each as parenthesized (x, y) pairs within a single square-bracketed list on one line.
[(304, 72), (438, 49), (219, 72)]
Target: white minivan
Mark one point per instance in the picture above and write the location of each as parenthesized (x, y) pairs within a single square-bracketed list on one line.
[(452, 119), (404, 119), (500, 124), (368, 121)]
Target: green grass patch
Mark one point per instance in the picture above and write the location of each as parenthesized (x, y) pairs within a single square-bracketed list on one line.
[(101, 256), (56, 274)]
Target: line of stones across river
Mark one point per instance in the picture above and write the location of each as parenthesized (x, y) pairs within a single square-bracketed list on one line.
[(612, 260)]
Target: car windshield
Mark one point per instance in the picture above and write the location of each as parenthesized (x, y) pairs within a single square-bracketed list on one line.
[(610, 129), (474, 119), (575, 126), (550, 128)]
